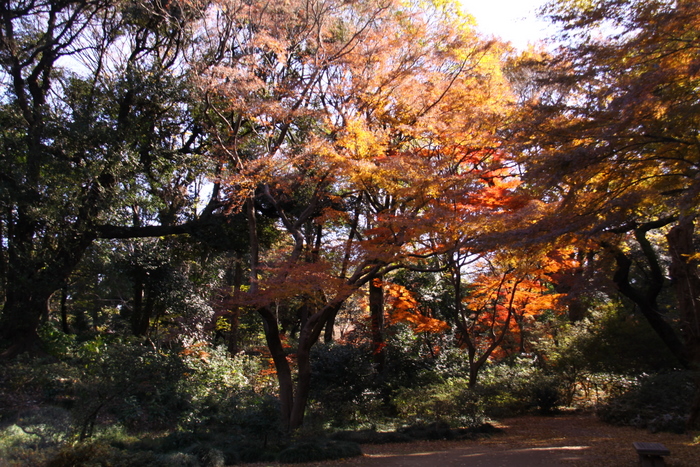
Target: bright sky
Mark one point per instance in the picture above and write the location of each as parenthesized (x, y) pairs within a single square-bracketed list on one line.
[(512, 20)]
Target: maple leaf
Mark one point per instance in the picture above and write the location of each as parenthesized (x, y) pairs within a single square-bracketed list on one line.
[(406, 309)]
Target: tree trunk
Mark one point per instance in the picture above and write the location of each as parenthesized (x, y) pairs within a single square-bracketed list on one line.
[(686, 282), (143, 305), (303, 385), (234, 281), (330, 326), (646, 303), (376, 309), (471, 354), (4, 220), (234, 315), (25, 303), (137, 306), (284, 372), (64, 309)]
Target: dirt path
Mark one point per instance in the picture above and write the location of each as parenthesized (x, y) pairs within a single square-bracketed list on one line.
[(531, 441)]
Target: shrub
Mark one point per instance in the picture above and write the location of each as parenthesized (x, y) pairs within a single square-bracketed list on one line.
[(220, 390), (55, 342), (451, 401), (209, 456), (513, 388), (657, 402), (342, 385), (21, 449), (134, 384), (546, 394), (28, 381), (611, 341)]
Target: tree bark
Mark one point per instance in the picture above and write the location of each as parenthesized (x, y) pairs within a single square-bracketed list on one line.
[(26, 302), (137, 309), (284, 372), (646, 304), (235, 281), (330, 324), (376, 308), (64, 309), (686, 282), (301, 396)]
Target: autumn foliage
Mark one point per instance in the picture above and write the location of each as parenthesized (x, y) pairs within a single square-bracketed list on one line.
[(404, 308)]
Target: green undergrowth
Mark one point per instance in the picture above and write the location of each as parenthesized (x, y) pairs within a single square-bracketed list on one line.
[(417, 432), (659, 402)]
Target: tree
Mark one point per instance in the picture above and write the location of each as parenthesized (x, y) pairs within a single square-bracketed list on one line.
[(98, 138), (501, 304), (351, 141), (611, 137)]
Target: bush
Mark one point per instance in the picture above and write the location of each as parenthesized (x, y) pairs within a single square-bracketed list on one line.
[(416, 432), (100, 454), (451, 401), (21, 449), (546, 394), (209, 456), (145, 389), (342, 385), (514, 388), (109, 390), (504, 389), (28, 382), (133, 384), (657, 402), (223, 391), (55, 342), (611, 341), (80, 455)]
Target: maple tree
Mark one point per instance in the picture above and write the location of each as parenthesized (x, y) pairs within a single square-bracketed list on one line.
[(498, 307), (352, 142), (611, 137)]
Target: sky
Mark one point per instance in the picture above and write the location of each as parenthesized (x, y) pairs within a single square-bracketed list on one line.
[(512, 20)]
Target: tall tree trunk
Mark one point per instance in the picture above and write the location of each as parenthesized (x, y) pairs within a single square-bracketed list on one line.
[(4, 220), (25, 303), (376, 309), (284, 372), (646, 303), (143, 305), (234, 315), (30, 284), (308, 336), (303, 385), (137, 306), (684, 274), (233, 280), (270, 325), (64, 309), (474, 367), (330, 324)]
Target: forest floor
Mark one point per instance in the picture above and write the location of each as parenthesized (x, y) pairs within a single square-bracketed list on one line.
[(529, 441)]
